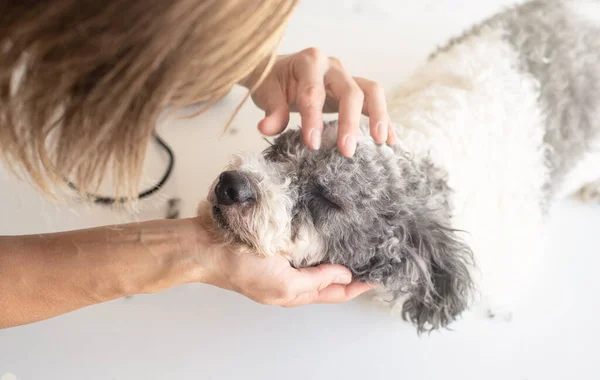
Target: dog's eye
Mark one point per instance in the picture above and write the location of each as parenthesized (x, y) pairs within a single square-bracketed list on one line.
[(321, 199), (327, 202), (321, 208)]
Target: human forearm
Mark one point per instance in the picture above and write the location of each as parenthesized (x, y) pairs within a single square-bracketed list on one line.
[(42, 276)]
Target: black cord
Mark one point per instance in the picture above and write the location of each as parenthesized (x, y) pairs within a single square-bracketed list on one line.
[(110, 200)]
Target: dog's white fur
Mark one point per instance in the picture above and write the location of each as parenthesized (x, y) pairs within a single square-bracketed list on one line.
[(455, 109)]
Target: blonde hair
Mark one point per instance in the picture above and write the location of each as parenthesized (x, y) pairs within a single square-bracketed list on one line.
[(82, 83)]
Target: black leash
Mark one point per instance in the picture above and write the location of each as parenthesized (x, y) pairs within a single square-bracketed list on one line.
[(102, 200)]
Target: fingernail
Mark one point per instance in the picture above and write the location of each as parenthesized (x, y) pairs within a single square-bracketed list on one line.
[(314, 137), (343, 279), (393, 137), (350, 144), (382, 131)]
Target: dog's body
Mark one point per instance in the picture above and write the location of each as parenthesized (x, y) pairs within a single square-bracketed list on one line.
[(491, 129)]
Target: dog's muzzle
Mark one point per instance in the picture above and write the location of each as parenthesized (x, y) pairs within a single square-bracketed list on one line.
[(234, 188)]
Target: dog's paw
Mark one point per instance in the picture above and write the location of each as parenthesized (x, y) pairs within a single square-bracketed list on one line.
[(388, 301), (383, 299), (590, 193)]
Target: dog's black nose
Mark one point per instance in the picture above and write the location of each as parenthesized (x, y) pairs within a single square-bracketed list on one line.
[(233, 187)]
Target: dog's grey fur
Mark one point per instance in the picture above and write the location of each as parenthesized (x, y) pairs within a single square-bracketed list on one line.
[(387, 217), (563, 54), (404, 242)]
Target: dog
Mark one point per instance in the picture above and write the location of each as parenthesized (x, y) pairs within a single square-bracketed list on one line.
[(493, 127)]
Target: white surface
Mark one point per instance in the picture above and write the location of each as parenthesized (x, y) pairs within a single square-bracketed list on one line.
[(199, 332)]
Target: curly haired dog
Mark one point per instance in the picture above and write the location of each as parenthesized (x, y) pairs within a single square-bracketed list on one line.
[(493, 127)]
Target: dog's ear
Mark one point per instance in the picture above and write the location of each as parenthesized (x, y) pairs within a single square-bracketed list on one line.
[(438, 263)]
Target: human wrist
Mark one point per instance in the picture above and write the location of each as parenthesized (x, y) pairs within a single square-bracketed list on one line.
[(189, 259), (205, 264), (150, 257)]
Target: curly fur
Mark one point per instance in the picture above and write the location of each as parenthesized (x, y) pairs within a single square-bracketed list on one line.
[(405, 243), (451, 217)]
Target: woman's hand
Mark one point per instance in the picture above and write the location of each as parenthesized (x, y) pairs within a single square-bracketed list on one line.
[(311, 83), (273, 281)]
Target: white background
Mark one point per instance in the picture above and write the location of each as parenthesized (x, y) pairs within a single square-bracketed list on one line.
[(200, 332)]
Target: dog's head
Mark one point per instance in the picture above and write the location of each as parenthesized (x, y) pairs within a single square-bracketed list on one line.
[(383, 214)]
